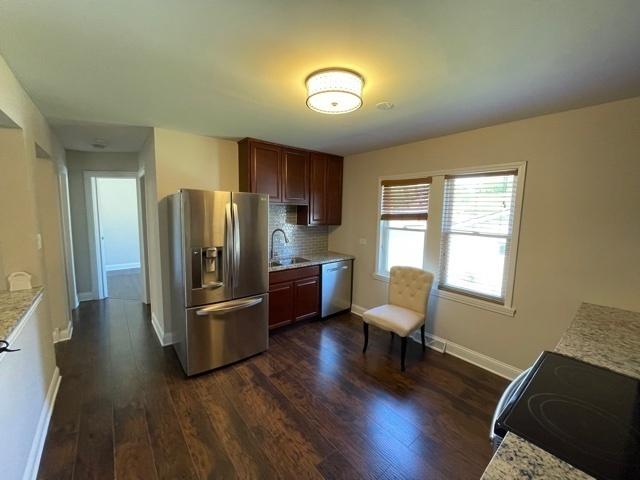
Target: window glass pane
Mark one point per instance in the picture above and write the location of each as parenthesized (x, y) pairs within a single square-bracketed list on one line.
[(475, 263), (480, 204), (403, 243)]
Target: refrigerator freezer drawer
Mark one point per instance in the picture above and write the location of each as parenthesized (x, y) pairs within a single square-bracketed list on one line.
[(336, 287), (223, 333)]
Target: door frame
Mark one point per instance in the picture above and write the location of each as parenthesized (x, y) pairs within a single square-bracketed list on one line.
[(67, 235), (98, 272)]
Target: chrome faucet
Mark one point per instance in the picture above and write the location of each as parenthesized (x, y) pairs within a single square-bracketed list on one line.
[(286, 240)]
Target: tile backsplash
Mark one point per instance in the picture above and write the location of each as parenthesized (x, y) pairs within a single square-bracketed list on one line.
[(302, 239)]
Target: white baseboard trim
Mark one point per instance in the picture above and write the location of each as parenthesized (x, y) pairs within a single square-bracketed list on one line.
[(443, 345), (33, 461), (164, 338), (121, 266), (64, 334), (85, 296)]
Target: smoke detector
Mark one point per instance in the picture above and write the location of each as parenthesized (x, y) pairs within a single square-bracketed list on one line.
[(99, 143), (384, 105)]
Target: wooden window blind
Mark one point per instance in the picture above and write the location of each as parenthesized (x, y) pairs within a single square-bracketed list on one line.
[(477, 227), (406, 199)]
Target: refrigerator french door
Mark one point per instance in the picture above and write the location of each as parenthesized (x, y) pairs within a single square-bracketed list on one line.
[(219, 277)]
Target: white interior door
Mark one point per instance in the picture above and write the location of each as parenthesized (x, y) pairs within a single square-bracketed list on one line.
[(101, 271)]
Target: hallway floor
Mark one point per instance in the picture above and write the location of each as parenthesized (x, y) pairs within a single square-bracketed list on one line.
[(313, 406), (125, 284)]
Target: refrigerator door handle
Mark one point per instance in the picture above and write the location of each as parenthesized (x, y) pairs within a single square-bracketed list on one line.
[(228, 247), (236, 246), (228, 307)]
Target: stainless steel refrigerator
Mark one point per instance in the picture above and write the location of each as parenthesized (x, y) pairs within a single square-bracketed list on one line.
[(219, 277)]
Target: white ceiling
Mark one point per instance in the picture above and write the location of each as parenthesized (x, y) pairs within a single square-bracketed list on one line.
[(236, 69), (81, 136)]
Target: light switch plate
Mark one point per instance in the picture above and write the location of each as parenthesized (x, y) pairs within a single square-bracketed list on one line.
[(39, 241), (363, 241)]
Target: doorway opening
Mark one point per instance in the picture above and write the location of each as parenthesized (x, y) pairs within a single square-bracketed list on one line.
[(114, 224)]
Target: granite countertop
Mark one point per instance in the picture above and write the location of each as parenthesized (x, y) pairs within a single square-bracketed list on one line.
[(518, 459), (13, 306), (603, 336), (314, 259)]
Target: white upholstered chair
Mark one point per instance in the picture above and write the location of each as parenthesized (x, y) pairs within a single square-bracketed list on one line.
[(409, 289)]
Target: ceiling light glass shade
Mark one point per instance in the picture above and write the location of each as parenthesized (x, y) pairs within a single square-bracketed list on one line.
[(334, 91)]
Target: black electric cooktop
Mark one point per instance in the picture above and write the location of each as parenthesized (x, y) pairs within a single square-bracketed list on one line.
[(587, 416)]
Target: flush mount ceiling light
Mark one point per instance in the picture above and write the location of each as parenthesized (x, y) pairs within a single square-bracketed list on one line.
[(334, 91)]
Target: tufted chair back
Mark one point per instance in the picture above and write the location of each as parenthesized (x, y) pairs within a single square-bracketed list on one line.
[(409, 287)]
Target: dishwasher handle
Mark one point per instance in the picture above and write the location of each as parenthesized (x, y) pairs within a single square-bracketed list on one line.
[(344, 267)]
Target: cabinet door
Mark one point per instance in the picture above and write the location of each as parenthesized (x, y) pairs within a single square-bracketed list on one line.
[(266, 170), (334, 190), (317, 193), (307, 298), (281, 300), (295, 177)]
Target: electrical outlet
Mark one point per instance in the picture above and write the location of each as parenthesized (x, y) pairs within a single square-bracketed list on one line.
[(363, 241)]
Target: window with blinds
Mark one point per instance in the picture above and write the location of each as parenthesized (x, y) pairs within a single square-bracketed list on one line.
[(404, 209), (405, 199), (477, 227)]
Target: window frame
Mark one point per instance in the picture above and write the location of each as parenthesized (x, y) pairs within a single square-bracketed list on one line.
[(434, 233)]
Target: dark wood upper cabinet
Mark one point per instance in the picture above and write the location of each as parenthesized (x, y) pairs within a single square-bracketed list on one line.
[(311, 180), (261, 168), (333, 190), (295, 176), (325, 191), (318, 190)]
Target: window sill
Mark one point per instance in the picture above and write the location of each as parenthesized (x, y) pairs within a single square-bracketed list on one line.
[(383, 277), (474, 302), (456, 297)]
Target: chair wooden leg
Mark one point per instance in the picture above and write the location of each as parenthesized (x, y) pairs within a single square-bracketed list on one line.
[(391, 334), (403, 351), (422, 336), (365, 327)]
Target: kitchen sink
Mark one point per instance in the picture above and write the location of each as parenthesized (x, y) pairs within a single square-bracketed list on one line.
[(287, 261)]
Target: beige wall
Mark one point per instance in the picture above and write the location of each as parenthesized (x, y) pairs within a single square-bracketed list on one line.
[(18, 229), (18, 223), (49, 216), (77, 164), (179, 160), (580, 231)]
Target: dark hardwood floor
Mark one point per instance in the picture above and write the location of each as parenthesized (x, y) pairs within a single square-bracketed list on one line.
[(313, 406)]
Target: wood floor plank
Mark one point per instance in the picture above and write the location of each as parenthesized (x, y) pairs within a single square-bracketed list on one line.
[(245, 452), (286, 448), (205, 446)]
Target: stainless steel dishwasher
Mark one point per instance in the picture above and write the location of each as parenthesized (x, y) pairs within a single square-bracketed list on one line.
[(336, 287)]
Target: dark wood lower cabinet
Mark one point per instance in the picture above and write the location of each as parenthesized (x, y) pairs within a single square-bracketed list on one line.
[(293, 295), (307, 298), (280, 304)]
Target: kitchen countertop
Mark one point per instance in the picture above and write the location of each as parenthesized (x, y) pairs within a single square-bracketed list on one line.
[(314, 259), (14, 306), (604, 336)]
